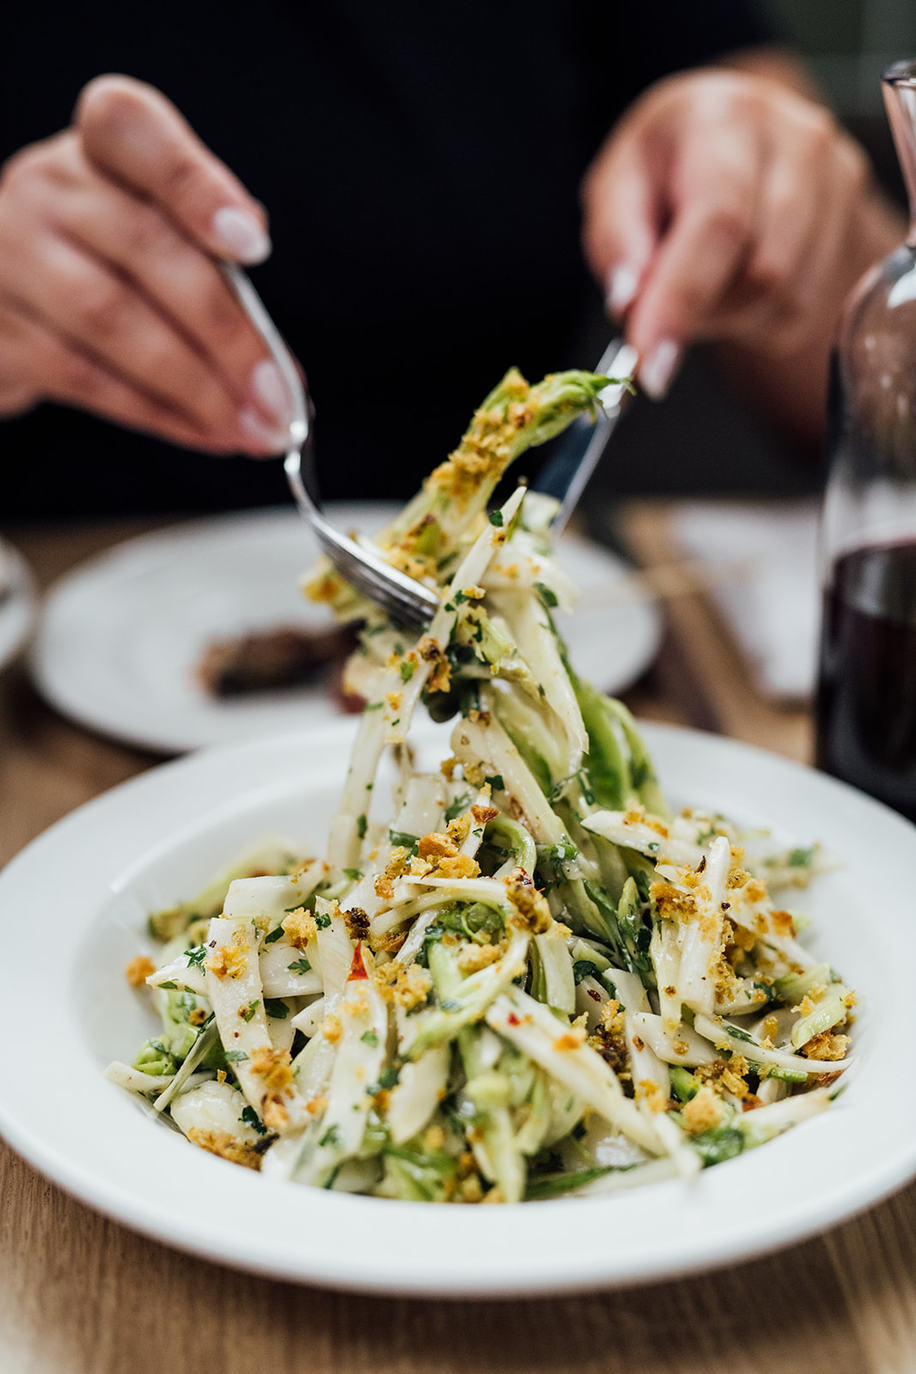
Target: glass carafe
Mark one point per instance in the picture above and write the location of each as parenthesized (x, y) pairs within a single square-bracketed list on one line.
[(866, 706)]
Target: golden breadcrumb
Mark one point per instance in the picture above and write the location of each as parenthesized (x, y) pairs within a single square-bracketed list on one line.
[(704, 1111), (139, 969), (299, 927), (274, 1113), (458, 828), (274, 1067), (475, 957), (229, 961), (227, 1147), (827, 1045), (409, 986), (530, 906), (357, 923), (651, 1094), (398, 861), (440, 679), (460, 866), (435, 845)]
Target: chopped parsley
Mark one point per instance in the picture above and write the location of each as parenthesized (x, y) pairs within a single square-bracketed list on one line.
[(547, 594), (251, 1118), (196, 956), (457, 806), (331, 1138), (248, 1012), (323, 921), (276, 1007), (584, 968), (370, 1038), (800, 858), (403, 840), (496, 518), (235, 1056), (373, 706), (299, 966), (354, 874), (273, 935), (407, 670), (496, 782), (386, 1079), (361, 826)]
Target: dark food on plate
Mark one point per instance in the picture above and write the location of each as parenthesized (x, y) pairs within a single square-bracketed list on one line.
[(262, 660)]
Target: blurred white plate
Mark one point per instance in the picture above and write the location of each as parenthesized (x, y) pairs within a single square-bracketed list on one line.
[(17, 602), (162, 836), (121, 635)]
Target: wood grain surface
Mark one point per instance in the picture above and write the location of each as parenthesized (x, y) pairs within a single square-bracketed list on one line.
[(80, 1294)]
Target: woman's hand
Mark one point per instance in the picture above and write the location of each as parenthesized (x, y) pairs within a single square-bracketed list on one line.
[(727, 206), (109, 296)]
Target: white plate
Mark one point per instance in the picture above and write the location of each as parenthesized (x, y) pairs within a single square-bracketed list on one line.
[(17, 602), (120, 636), (73, 907)]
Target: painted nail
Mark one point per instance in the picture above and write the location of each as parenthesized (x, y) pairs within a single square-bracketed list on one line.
[(240, 235), (621, 288), (659, 368), (265, 436), (271, 392)]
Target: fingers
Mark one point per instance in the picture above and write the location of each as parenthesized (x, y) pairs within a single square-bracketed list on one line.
[(118, 282), (621, 216), (714, 188), (72, 376), (753, 195), (180, 281), (134, 134), (788, 287)]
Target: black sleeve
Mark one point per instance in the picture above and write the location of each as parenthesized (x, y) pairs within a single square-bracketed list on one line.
[(667, 36)]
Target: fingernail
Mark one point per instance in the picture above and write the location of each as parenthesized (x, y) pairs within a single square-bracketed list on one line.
[(659, 367), (263, 434), (621, 288), (271, 392), (241, 236)]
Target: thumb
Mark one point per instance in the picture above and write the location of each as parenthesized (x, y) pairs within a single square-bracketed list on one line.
[(130, 131), (620, 218)]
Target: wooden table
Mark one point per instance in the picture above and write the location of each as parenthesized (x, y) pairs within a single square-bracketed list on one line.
[(79, 1293)]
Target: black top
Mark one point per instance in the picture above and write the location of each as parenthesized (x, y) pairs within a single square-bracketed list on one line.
[(420, 163)]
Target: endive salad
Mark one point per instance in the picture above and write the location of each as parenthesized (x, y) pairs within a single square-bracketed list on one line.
[(522, 976)]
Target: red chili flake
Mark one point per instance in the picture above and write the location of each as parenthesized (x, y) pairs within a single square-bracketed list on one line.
[(513, 1019), (357, 967), (595, 996)]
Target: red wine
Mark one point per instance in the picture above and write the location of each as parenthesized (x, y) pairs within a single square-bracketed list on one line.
[(866, 708)]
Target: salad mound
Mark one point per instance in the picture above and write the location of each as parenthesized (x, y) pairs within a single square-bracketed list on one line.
[(528, 978)]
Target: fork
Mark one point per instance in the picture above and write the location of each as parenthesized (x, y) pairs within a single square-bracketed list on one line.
[(403, 598)]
